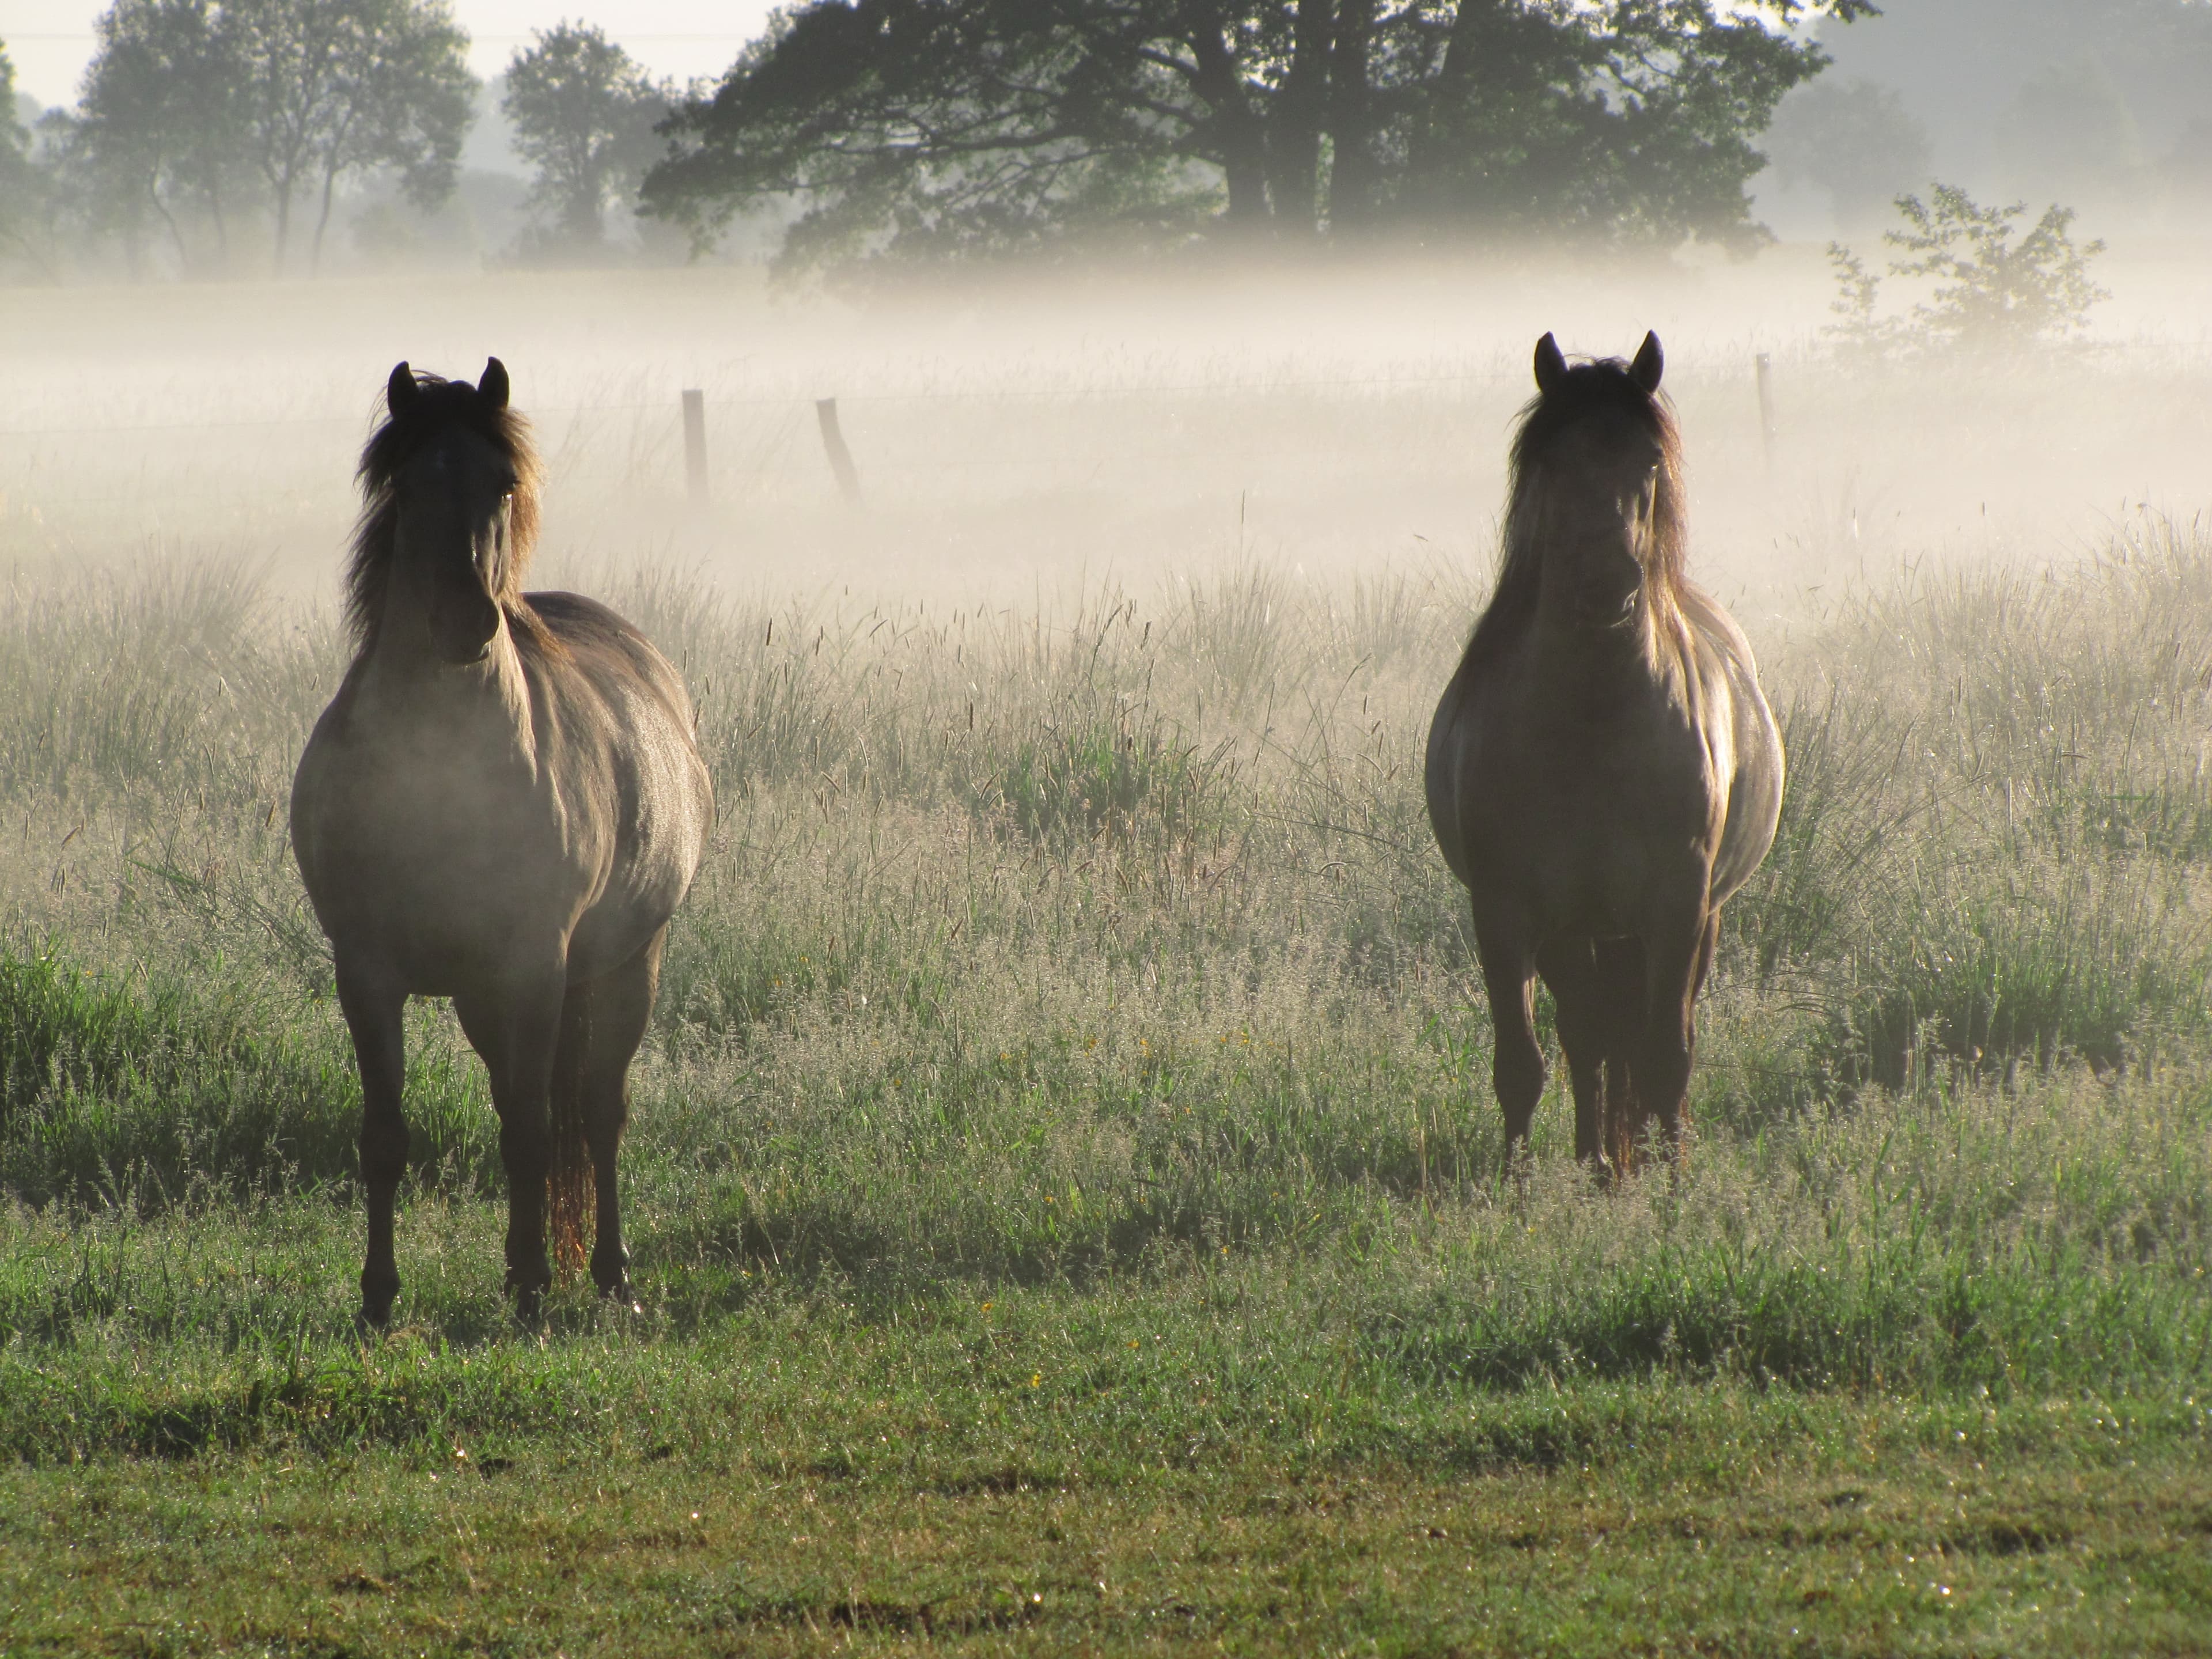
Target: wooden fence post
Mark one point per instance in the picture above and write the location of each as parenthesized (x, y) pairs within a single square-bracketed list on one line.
[(695, 445), (833, 445)]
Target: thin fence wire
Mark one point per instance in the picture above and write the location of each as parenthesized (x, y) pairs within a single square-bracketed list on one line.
[(767, 446), (1134, 392)]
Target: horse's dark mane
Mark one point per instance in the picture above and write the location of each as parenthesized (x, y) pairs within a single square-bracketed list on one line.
[(438, 405), (1586, 387)]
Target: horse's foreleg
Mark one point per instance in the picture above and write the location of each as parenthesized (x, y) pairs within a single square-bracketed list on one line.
[(375, 1008), (514, 1025), (1517, 1064), (621, 1007)]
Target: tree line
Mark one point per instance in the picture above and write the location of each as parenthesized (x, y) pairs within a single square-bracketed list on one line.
[(920, 128), (203, 127), (929, 129)]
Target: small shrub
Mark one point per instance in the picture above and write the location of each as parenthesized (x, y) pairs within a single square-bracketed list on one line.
[(1112, 768), (1992, 293)]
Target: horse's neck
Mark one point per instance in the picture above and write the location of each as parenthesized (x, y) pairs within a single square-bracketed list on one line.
[(1589, 673), (486, 703)]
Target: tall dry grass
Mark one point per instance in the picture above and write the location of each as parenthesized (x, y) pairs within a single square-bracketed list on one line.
[(1049, 945)]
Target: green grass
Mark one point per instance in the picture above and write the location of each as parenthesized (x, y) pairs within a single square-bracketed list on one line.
[(1063, 1181), (1271, 1449), (115, 1093), (1736, 1524)]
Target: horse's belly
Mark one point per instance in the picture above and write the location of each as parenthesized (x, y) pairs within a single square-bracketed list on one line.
[(443, 924), (1584, 863), (438, 896), (455, 855), (442, 950), (1600, 897)]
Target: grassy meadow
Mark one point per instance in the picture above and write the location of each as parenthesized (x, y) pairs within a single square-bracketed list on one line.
[(1064, 1171), (1063, 1183)]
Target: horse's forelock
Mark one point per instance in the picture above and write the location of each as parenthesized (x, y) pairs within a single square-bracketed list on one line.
[(438, 405)]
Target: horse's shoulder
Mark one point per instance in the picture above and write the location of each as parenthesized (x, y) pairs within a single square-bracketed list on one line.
[(1711, 619), (574, 619), (1723, 643), (592, 644), (592, 634), (335, 724)]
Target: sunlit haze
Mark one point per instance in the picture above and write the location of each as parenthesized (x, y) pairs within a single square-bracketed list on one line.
[(51, 41)]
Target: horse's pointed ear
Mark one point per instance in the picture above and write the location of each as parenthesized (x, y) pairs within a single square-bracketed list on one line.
[(1651, 363), (492, 386), (1551, 364), (399, 390)]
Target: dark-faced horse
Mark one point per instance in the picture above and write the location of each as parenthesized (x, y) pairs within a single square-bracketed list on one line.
[(503, 806), (1602, 771)]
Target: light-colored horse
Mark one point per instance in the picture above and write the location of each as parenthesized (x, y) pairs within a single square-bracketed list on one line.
[(503, 804), (1602, 771)]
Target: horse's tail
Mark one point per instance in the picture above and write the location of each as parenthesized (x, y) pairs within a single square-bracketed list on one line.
[(1623, 1119), (569, 1186)]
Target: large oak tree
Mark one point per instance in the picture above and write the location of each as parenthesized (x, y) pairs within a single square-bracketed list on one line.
[(926, 126)]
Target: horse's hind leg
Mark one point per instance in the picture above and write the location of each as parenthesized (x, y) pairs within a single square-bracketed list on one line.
[(1517, 1065), (1620, 973), (620, 1007), (1706, 946), (1706, 953), (1569, 966), (569, 1166), (514, 1025), (375, 1008), (1676, 964)]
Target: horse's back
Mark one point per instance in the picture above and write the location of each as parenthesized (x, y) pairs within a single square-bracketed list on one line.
[(608, 675), (632, 686), (1754, 787), (610, 651)]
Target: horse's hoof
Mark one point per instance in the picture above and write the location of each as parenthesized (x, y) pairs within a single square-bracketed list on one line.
[(621, 1296), (375, 1314), (379, 1291), (525, 1288)]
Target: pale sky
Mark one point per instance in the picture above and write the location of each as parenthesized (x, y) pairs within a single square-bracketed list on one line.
[(51, 40)]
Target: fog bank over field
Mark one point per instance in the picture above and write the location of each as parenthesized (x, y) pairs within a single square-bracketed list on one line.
[(1047, 434)]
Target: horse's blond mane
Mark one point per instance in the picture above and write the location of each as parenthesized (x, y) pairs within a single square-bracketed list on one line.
[(438, 405), (1586, 388)]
